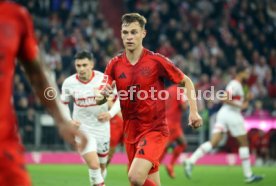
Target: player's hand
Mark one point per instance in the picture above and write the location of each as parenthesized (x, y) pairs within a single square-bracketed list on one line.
[(104, 116), (195, 120), (69, 132), (108, 89), (76, 123)]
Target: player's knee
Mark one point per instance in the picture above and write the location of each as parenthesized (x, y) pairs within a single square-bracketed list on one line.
[(136, 179), (93, 165)]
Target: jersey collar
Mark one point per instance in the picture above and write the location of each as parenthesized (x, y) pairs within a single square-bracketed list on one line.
[(85, 82)]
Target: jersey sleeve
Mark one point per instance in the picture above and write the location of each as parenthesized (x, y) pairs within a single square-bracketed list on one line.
[(231, 89), (65, 92), (109, 71), (28, 49), (169, 70)]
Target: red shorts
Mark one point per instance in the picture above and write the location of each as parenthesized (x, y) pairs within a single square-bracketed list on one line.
[(174, 134), (150, 147), (175, 131), (116, 131), (12, 166)]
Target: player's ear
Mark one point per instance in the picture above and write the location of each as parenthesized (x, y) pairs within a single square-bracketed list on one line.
[(144, 33), (92, 64)]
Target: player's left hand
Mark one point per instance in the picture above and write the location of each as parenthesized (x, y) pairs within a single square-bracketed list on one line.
[(69, 133), (195, 120), (104, 116)]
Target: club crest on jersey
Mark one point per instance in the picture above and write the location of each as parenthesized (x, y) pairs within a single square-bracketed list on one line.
[(145, 71)]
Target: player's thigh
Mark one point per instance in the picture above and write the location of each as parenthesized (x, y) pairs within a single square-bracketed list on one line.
[(155, 177), (174, 134), (130, 151), (236, 125), (103, 145), (151, 147), (243, 140), (181, 140), (91, 145), (139, 169)]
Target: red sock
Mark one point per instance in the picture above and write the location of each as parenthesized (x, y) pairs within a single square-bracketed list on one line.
[(149, 183), (100, 184), (176, 153)]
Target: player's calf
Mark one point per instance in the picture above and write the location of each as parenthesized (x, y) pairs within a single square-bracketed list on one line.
[(96, 178)]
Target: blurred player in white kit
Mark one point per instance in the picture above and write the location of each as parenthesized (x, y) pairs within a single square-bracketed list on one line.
[(81, 88), (229, 118)]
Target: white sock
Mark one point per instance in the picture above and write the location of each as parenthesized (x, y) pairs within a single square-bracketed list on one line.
[(104, 173), (95, 176), (245, 158), (201, 151)]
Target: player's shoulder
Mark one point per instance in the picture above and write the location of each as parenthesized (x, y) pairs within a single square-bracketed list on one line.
[(70, 80), (15, 8), (98, 73), (234, 82), (156, 56), (117, 58)]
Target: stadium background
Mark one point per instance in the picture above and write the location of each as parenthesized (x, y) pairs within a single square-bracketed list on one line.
[(207, 39)]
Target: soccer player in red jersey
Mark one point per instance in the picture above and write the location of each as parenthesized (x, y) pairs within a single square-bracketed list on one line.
[(175, 104), (139, 76), (17, 41), (116, 134)]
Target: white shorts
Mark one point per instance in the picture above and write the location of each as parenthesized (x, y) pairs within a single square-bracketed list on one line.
[(96, 143), (229, 120)]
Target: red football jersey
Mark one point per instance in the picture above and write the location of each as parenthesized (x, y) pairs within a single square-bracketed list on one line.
[(174, 104), (142, 115), (16, 40)]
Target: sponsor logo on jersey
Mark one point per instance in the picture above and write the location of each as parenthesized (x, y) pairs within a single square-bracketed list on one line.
[(85, 102)]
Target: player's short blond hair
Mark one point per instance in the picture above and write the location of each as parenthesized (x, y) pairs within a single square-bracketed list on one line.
[(134, 17)]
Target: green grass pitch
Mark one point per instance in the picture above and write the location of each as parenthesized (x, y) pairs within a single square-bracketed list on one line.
[(77, 175)]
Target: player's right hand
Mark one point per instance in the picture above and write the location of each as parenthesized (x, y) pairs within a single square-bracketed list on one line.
[(104, 117), (195, 120), (69, 132), (108, 89)]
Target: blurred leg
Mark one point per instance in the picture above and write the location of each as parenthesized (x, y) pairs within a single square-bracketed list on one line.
[(244, 155), (206, 147)]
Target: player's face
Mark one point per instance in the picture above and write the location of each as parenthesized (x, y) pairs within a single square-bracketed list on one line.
[(246, 74), (132, 35), (84, 68)]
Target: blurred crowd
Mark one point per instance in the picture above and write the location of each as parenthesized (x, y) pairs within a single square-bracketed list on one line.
[(207, 39)]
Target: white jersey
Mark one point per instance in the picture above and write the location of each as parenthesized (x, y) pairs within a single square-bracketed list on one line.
[(229, 117), (234, 88), (85, 108)]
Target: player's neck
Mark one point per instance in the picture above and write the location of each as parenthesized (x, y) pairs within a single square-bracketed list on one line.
[(87, 78), (239, 79), (134, 56)]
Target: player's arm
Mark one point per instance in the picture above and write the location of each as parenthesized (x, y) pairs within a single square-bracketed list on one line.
[(169, 70), (195, 119), (107, 89), (228, 99), (66, 98), (36, 74), (103, 94), (29, 57), (114, 109)]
